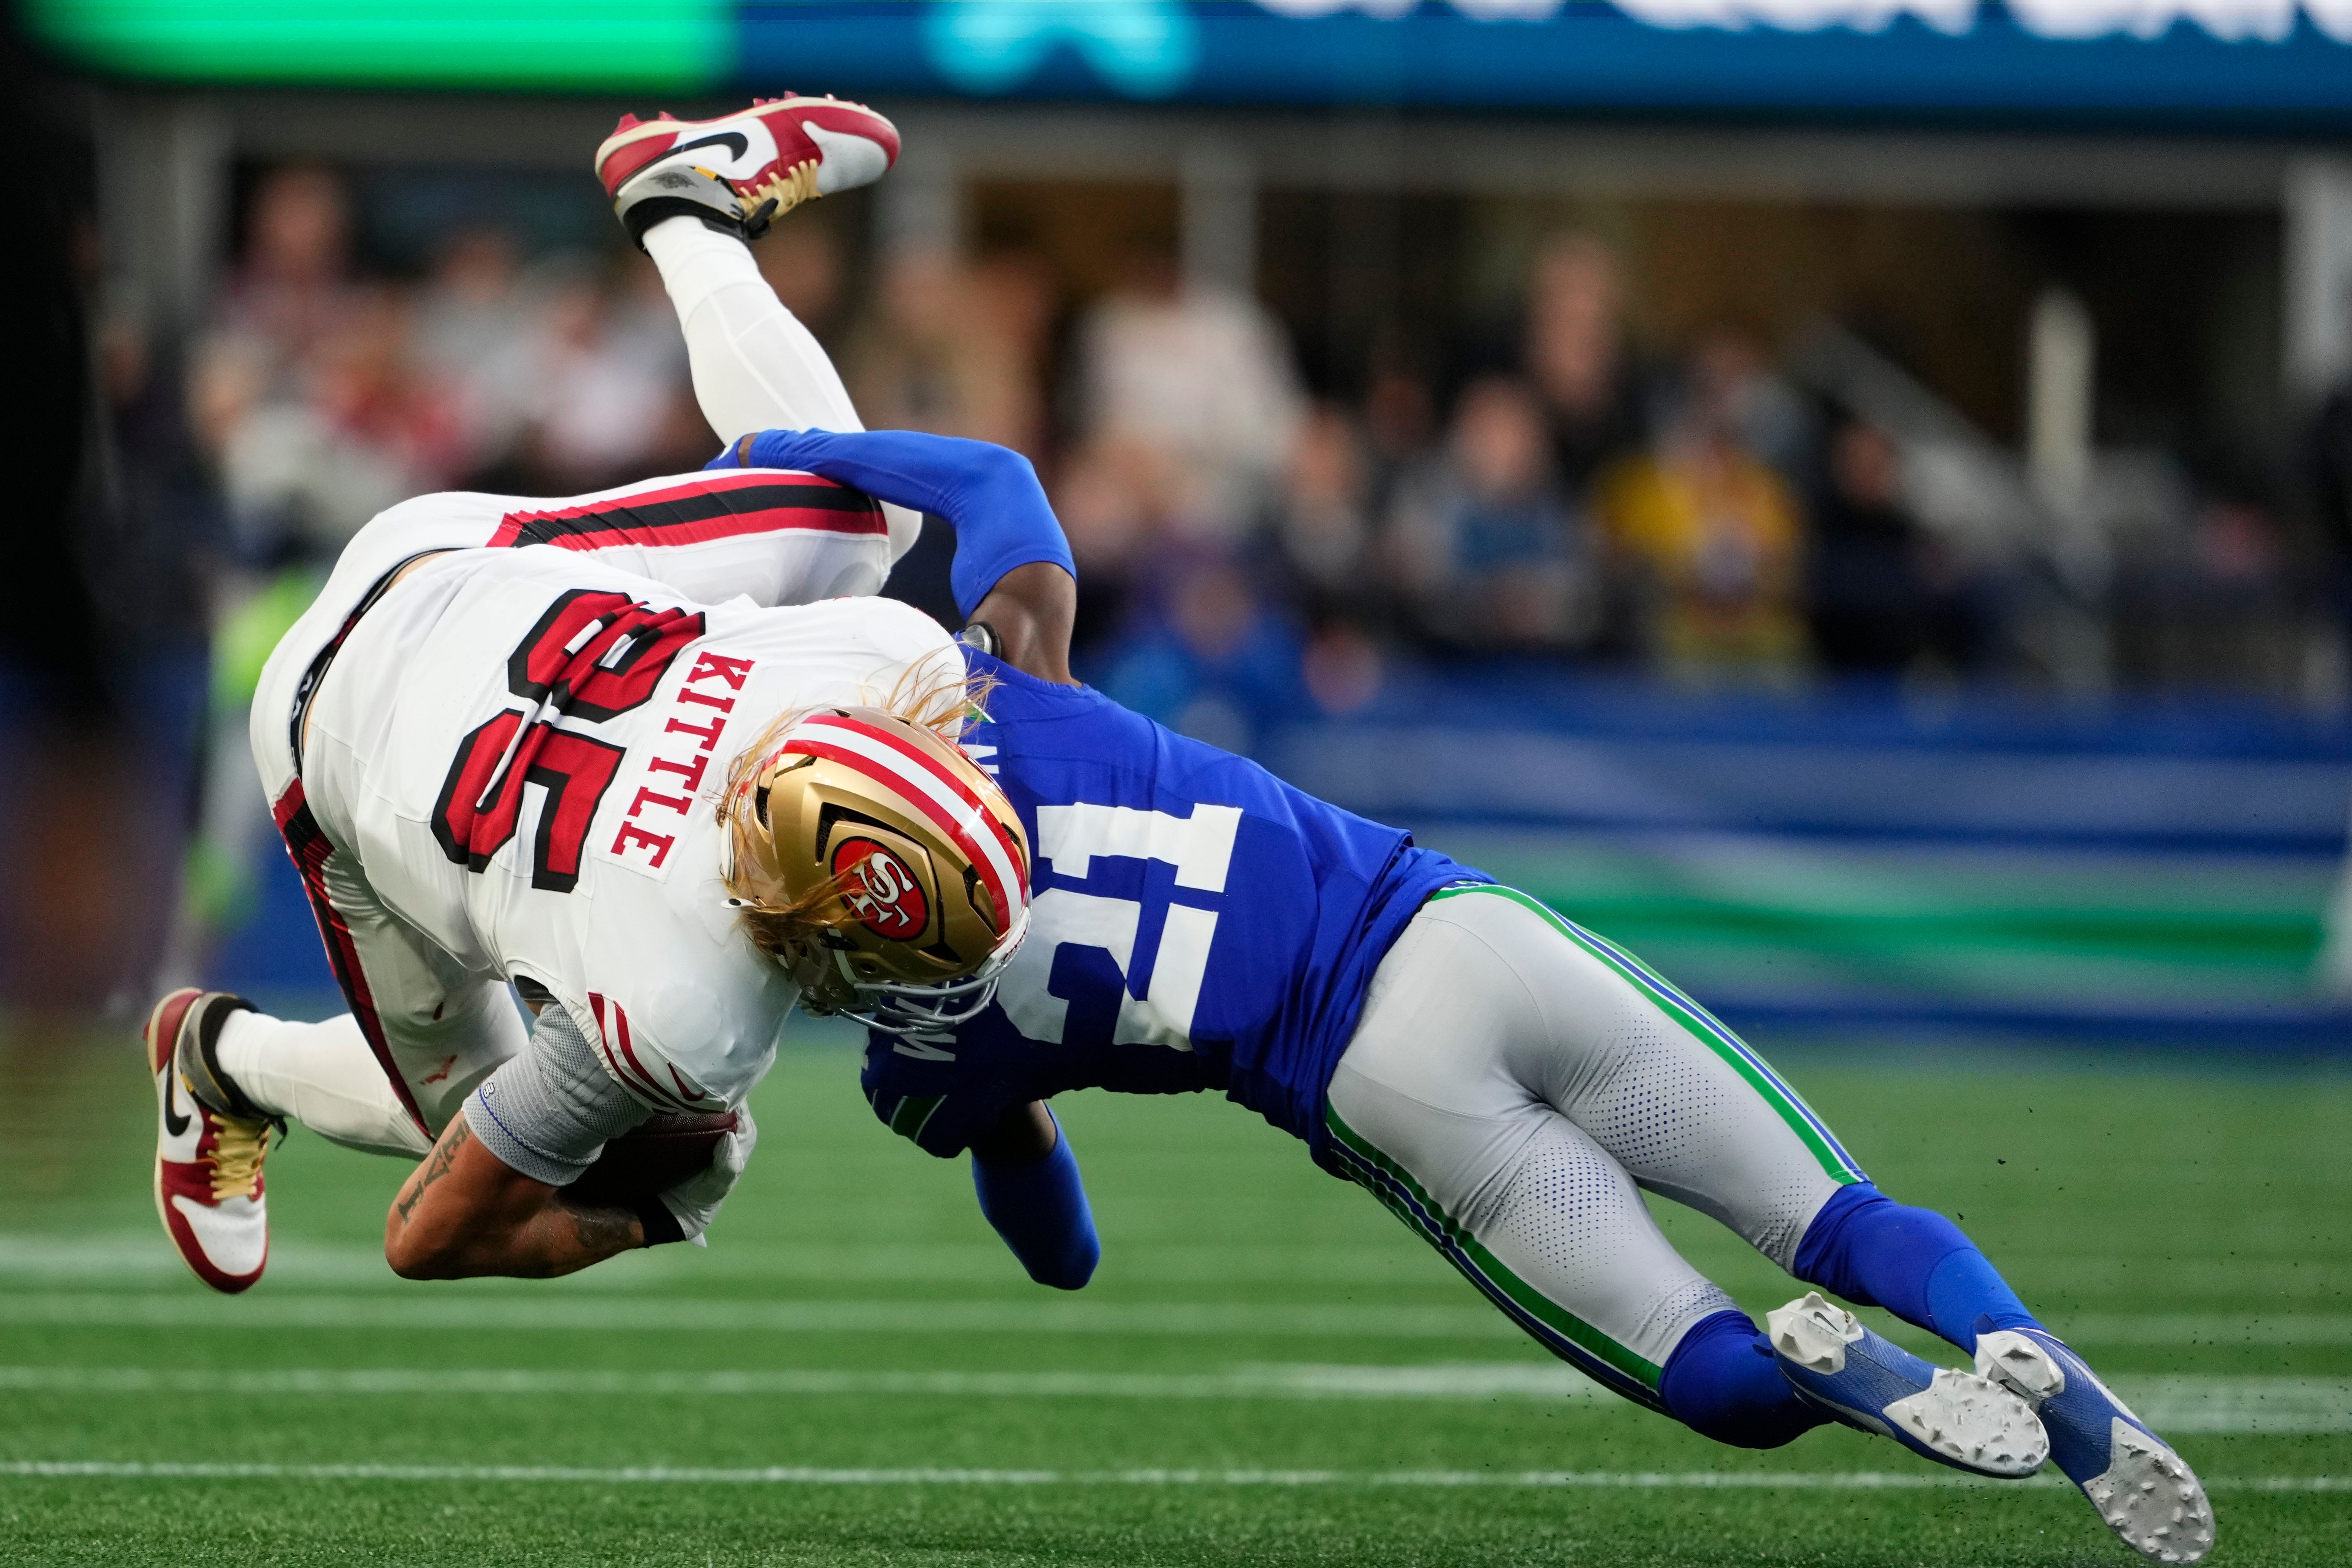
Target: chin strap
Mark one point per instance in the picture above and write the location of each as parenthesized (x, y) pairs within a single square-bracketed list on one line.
[(928, 1012)]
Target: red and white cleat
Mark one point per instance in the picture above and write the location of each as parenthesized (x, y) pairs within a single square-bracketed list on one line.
[(784, 150), (207, 1163)]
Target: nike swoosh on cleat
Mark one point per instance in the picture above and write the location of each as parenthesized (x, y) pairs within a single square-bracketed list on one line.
[(173, 1125), (735, 141)]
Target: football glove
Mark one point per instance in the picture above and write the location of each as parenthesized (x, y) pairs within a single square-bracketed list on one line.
[(696, 1201)]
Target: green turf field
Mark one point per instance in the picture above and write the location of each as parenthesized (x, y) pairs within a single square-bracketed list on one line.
[(1267, 1369)]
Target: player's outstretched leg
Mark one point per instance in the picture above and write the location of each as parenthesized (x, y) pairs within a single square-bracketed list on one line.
[(1920, 1266), (2147, 1493), (1957, 1418), (1693, 1113), (209, 1144), (693, 198), (1445, 1104)]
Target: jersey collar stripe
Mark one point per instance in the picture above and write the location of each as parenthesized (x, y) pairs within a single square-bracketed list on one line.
[(952, 817), (934, 769), (772, 503), (715, 481), (941, 785)]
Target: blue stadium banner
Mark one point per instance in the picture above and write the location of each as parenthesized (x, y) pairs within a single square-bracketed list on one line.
[(2278, 63)]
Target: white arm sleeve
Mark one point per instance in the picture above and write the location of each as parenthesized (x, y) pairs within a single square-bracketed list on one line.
[(549, 1108)]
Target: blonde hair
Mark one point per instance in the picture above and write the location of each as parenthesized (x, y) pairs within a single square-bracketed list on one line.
[(924, 695)]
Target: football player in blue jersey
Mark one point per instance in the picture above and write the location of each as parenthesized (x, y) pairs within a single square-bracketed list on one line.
[(1505, 1080)]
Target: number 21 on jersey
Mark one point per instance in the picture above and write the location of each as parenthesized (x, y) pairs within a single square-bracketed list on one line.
[(1072, 837)]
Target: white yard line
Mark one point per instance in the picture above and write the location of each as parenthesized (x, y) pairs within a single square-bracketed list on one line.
[(795, 1474), (553, 1309), (2216, 1405), (1511, 1379), (515, 1311)]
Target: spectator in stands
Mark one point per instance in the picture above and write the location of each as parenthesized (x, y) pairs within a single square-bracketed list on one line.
[(1321, 534), (1769, 416), (291, 287), (1712, 537), (595, 374), (476, 324), (1123, 505), (1203, 375), (960, 350), (1580, 363), (1400, 429), (1884, 593), (1322, 541), (1487, 551), (308, 450), (1216, 661)]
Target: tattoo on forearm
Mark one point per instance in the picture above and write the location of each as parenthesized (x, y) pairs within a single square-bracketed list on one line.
[(602, 1231), (436, 1165)]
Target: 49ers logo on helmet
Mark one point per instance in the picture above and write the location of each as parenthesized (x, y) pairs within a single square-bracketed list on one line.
[(880, 889)]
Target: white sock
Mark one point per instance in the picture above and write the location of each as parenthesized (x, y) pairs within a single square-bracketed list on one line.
[(323, 1076), (755, 366)]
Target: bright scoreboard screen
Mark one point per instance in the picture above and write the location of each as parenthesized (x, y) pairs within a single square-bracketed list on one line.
[(2287, 63)]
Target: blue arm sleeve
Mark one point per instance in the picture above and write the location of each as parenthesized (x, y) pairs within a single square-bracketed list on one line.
[(989, 493), (1040, 1209)]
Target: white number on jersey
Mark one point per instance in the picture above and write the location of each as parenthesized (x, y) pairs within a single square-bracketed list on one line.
[(1072, 837)]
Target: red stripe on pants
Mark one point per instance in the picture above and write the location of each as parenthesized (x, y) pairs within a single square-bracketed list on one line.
[(308, 846)]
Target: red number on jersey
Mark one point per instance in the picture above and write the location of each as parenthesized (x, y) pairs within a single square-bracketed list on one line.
[(594, 656), (576, 770)]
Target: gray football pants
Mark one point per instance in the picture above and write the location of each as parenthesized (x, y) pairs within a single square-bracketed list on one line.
[(1514, 1084)]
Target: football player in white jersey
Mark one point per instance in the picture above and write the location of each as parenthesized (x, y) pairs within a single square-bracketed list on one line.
[(495, 746)]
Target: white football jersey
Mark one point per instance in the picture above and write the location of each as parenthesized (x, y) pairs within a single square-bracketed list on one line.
[(526, 748)]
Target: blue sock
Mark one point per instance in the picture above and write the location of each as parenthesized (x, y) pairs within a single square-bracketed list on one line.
[(1920, 1266), (1722, 1382)]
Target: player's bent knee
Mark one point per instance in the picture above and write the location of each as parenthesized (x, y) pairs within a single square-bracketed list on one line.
[(1722, 1382)]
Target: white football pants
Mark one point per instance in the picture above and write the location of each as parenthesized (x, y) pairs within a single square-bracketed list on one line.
[(1514, 1085), (425, 1031)]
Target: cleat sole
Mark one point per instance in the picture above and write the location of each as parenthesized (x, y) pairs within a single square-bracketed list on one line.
[(2152, 1500)]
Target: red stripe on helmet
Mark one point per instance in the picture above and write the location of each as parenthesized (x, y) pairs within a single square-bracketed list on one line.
[(956, 783), (939, 819)]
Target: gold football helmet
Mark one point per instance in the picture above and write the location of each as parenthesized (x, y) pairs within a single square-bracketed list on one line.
[(885, 870)]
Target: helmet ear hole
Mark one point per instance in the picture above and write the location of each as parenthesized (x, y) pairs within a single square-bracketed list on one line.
[(976, 893), (759, 804)]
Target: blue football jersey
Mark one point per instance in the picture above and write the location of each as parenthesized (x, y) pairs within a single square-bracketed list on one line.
[(1196, 924)]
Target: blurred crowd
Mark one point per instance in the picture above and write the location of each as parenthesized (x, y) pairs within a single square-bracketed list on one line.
[(1566, 492), (1250, 552)]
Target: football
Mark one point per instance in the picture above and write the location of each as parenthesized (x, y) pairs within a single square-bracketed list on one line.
[(656, 1154)]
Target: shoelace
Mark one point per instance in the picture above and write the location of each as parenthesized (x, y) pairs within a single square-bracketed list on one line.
[(238, 1149), (787, 190)]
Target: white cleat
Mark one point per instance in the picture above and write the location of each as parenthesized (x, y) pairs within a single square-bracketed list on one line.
[(208, 1185), (1868, 1382), (775, 154), (2147, 1493)]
